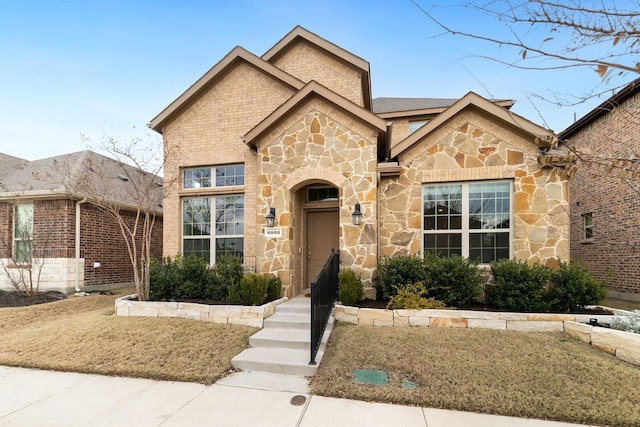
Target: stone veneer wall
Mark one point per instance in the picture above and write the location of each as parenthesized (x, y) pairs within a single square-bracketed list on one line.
[(471, 148), (318, 145)]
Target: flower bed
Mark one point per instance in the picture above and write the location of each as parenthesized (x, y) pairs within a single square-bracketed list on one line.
[(624, 345), (231, 314)]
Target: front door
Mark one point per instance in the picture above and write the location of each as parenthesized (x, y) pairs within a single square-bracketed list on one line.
[(322, 236)]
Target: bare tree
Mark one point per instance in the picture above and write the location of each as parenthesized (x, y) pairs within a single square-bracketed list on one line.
[(128, 182), (547, 35)]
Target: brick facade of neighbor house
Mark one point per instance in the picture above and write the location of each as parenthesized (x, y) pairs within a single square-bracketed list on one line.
[(613, 252), (54, 225), (299, 121)]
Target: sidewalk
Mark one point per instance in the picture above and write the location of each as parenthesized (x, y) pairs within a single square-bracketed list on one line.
[(44, 398)]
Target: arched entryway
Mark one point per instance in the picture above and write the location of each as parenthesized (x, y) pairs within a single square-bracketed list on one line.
[(318, 206)]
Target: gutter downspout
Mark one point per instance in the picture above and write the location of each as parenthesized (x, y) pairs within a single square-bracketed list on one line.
[(77, 266)]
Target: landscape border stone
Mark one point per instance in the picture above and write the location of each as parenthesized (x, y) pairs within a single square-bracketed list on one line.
[(226, 314), (624, 345)]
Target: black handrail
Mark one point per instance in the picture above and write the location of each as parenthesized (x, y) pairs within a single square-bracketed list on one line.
[(324, 291)]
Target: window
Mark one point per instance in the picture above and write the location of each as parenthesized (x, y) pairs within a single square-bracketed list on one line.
[(587, 226), (225, 176), (469, 219), (414, 125), (22, 234), (322, 194), (213, 226)]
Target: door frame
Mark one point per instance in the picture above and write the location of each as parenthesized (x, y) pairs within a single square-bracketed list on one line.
[(332, 207)]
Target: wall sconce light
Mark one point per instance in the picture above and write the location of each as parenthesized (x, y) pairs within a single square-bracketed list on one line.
[(271, 217), (356, 216)]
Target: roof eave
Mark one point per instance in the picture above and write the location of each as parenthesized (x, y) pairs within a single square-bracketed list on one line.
[(310, 90), (471, 99), (214, 74), (299, 33)]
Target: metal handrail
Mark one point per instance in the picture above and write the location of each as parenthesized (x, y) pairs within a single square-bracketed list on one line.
[(324, 291)]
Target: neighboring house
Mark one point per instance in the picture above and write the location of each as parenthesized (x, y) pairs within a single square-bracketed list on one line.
[(294, 134), (47, 220), (605, 212)]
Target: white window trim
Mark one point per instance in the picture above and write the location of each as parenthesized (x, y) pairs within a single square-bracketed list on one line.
[(584, 217), (212, 236), (212, 173), (16, 239), (465, 217)]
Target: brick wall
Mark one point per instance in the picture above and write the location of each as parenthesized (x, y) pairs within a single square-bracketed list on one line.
[(54, 240), (614, 252), (101, 241)]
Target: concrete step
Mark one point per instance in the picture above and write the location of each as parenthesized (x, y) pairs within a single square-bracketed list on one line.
[(283, 338), (288, 321), (294, 309), (283, 361)]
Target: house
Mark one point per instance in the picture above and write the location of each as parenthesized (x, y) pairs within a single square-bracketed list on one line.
[(605, 211), (294, 136), (50, 227)]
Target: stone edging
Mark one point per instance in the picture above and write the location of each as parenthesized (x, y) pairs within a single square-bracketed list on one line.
[(227, 314), (625, 345)]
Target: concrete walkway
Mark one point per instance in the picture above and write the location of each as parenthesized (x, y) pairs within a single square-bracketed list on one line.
[(44, 398)]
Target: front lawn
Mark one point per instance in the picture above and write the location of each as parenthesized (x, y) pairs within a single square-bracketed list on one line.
[(81, 334), (532, 375)]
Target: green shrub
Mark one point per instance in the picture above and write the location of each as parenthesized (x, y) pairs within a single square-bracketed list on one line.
[(274, 288), (194, 274), (254, 289), (519, 286), (163, 278), (410, 297), (573, 287), (192, 278), (453, 280), (403, 270), (227, 272), (350, 287)]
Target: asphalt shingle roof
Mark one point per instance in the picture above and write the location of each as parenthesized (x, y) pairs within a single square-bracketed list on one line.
[(393, 105), (83, 174)]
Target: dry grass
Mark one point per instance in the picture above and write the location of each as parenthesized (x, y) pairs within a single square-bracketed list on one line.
[(547, 376), (621, 304), (81, 334)]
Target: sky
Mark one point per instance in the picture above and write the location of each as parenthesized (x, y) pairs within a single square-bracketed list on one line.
[(75, 72)]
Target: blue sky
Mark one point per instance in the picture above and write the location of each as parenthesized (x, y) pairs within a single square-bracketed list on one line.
[(72, 70)]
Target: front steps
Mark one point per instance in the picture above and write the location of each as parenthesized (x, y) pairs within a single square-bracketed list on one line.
[(283, 345)]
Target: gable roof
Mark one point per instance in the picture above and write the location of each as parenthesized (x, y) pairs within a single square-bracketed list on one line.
[(310, 90), (402, 107), (617, 99), (300, 34), (9, 165), (73, 175), (471, 100), (215, 74)]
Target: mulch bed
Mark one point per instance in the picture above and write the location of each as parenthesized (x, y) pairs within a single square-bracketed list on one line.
[(18, 299)]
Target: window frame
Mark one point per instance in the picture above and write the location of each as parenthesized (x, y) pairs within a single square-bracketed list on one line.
[(587, 228), (213, 178), (414, 125), (20, 239), (465, 231), (213, 235)]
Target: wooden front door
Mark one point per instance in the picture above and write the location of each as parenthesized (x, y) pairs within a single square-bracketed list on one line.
[(322, 236)]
